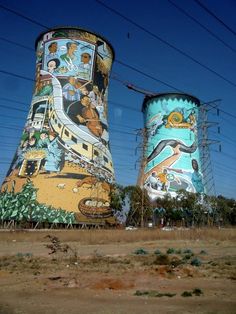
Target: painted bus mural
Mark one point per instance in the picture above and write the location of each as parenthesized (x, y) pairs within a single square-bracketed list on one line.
[(172, 158), (64, 153)]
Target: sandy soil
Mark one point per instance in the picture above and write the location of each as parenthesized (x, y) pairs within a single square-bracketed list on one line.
[(105, 277)]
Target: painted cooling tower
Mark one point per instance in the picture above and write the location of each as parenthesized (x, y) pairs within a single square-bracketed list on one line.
[(172, 156), (63, 161)]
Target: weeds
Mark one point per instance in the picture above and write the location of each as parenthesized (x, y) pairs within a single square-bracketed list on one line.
[(162, 259), (56, 247), (179, 251), (188, 251), (157, 252), (187, 294), (154, 293), (140, 251), (196, 262), (170, 251), (197, 291)]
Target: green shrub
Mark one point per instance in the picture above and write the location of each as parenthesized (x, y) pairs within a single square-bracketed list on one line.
[(170, 251), (187, 257), (186, 294), (153, 293), (196, 262), (197, 291), (188, 251), (203, 252), (157, 252), (140, 251)]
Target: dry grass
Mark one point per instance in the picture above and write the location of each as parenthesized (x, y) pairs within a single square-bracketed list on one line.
[(120, 236)]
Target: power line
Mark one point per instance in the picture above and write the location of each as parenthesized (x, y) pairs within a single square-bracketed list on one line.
[(165, 42), (216, 17), (201, 25), (17, 75), (14, 43), (118, 61), (225, 154), (23, 16), (15, 101), (140, 27)]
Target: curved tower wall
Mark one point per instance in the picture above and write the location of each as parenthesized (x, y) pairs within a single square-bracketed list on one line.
[(64, 150), (172, 159)]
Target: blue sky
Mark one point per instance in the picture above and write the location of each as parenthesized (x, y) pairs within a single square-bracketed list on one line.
[(137, 49)]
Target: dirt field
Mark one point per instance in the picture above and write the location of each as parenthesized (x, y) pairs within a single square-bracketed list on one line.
[(183, 271)]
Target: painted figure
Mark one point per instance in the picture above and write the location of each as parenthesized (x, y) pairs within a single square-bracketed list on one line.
[(52, 48), (70, 56), (55, 154), (85, 65), (71, 90), (90, 117), (195, 176), (53, 65)]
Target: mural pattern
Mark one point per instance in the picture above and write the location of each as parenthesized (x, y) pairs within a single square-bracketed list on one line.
[(64, 148), (172, 154)]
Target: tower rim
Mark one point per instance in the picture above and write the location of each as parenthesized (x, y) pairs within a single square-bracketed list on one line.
[(75, 28), (169, 95)]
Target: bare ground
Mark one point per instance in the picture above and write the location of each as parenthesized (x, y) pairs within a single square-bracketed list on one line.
[(100, 273)]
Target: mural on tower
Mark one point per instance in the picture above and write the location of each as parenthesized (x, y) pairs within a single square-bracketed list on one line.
[(64, 153), (172, 154)]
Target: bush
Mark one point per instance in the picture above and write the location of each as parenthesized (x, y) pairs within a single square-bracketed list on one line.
[(179, 251), (196, 262), (170, 251), (197, 291), (157, 252), (203, 252), (162, 259), (188, 251), (140, 251), (187, 257), (153, 293), (186, 294)]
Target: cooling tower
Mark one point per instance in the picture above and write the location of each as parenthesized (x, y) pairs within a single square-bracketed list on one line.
[(172, 158), (62, 170)]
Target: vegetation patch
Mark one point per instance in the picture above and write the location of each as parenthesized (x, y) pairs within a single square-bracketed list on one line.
[(141, 251), (197, 292), (170, 251), (188, 251), (186, 294), (162, 259), (196, 262), (153, 293)]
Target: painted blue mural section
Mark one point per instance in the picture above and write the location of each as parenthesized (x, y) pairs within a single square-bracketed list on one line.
[(66, 57), (172, 153)]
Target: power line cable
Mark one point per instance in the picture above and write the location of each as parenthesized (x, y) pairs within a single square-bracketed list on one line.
[(23, 16), (142, 28), (201, 25), (165, 42), (14, 101), (14, 43), (215, 16), (17, 75), (118, 61)]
